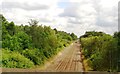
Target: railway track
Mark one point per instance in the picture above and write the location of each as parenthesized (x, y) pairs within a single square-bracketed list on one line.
[(69, 60)]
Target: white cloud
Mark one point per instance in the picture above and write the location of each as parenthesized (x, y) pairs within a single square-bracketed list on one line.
[(21, 11), (93, 15), (78, 16)]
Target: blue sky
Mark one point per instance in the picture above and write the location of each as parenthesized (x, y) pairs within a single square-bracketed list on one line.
[(63, 4)]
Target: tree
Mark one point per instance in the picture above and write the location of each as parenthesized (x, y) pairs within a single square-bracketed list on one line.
[(34, 42), (74, 37), (11, 28), (101, 50), (33, 22)]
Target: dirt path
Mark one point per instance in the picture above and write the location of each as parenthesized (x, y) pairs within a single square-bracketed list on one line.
[(68, 60)]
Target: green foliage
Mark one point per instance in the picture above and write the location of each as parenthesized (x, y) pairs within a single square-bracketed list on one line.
[(101, 50), (74, 37), (24, 40), (35, 55), (15, 60), (117, 37), (92, 33), (17, 42), (11, 28), (35, 43), (33, 22)]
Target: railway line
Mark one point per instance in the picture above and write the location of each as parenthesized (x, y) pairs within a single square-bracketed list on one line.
[(69, 60)]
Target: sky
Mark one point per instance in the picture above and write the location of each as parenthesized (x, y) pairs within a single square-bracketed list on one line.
[(77, 16)]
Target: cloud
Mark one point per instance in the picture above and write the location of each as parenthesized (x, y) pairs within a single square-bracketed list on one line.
[(73, 20), (76, 16), (21, 11), (25, 6), (92, 15)]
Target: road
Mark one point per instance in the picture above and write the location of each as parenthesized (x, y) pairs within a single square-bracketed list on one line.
[(68, 60)]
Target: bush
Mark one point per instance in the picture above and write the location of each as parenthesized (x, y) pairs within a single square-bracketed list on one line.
[(36, 43), (12, 59), (35, 55), (101, 52)]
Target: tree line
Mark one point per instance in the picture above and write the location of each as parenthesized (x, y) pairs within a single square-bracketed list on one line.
[(101, 50), (30, 45)]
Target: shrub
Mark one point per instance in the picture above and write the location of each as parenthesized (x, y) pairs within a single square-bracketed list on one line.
[(12, 59), (35, 55), (101, 52)]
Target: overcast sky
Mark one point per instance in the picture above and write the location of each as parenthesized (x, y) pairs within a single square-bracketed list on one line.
[(77, 16)]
